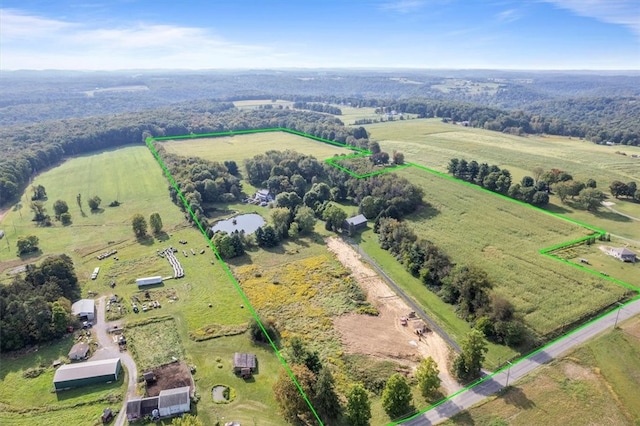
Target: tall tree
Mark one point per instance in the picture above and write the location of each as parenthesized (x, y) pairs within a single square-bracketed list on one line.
[(396, 397), (305, 219), (156, 223), (468, 364), (325, 399), (139, 225), (334, 216), (290, 401), (27, 244), (427, 375), (591, 199), (39, 211), (358, 409)]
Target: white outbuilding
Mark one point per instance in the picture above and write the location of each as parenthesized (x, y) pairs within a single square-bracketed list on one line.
[(84, 309)]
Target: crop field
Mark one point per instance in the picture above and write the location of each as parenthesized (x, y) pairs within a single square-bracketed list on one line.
[(129, 175), (503, 238), (154, 342), (241, 147), (27, 401), (431, 143), (597, 382)]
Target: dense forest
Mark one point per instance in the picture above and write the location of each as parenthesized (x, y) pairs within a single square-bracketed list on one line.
[(36, 306)]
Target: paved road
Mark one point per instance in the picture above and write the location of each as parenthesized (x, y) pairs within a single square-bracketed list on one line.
[(467, 398), (109, 349), (418, 310)]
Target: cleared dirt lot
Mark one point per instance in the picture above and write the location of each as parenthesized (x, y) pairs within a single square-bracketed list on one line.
[(383, 336)]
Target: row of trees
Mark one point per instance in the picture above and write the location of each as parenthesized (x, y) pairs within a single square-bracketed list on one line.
[(499, 180), (318, 107), (468, 288), (36, 307), (140, 226)]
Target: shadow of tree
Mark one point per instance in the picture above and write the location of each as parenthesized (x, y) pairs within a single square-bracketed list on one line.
[(516, 397)]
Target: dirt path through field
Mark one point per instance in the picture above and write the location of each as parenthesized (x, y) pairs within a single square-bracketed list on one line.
[(383, 336)]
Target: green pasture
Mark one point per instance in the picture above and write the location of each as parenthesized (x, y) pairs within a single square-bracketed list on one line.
[(503, 238), (25, 401), (432, 143), (241, 147), (129, 175), (600, 261), (596, 383)]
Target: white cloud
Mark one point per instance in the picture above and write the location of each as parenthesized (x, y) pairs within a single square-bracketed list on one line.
[(403, 6), (620, 12), (509, 15), (33, 42)]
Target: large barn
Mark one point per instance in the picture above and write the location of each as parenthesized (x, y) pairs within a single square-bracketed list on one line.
[(170, 402), (84, 309), (87, 373)]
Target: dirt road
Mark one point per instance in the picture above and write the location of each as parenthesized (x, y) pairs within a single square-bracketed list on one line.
[(109, 349), (383, 336)]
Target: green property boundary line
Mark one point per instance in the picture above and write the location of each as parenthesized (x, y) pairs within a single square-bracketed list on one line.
[(359, 152)]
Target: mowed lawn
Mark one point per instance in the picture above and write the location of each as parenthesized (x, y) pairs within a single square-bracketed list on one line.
[(595, 384), (130, 175), (28, 401), (503, 238), (241, 147)]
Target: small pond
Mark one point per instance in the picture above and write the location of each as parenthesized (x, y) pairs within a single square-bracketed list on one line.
[(244, 222)]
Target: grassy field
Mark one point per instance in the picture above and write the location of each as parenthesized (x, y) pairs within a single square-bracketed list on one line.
[(431, 143), (27, 401), (504, 240), (254, 103), (129, 175), (595, 384), (241, 147)]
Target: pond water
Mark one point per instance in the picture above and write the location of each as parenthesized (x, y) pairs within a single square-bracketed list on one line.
[(244, 222)]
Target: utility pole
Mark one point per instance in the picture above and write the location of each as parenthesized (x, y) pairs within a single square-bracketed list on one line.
[(508, 371)]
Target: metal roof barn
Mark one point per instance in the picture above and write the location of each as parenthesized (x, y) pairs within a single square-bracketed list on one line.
[(75, 375)]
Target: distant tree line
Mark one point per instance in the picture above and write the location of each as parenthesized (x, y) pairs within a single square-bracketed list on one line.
[(318, 107), (518, 122), (29, 149), (36, 307)]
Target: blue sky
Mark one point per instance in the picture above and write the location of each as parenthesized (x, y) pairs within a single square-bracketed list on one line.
[(494, 34)]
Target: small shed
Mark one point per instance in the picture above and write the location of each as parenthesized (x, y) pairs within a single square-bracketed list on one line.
[(79, 351), (87, 373), (172, 402), (354, 224), (623, 253), (244, 364), (143, 282), (149, 377), (84, 309)]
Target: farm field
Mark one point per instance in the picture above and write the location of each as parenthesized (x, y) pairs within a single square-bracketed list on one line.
[(241, 147), (503, 238), (596, 382), (431, 143), (129, 175), (27, 401), (254, 103)]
